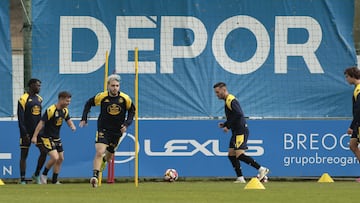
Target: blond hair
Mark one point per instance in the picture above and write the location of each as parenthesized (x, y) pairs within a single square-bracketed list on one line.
[(113, 77)]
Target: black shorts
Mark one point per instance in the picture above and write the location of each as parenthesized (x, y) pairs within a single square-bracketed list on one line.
[(48, 144), (109, 138), (25, 141), (238, 140)]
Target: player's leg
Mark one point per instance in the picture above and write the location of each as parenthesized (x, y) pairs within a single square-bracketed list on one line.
[(23, 155), (234, 162), (24, 151), (40, 163), (57, 168), (57, 165), (100, 149), (54, 156), (240, 147)]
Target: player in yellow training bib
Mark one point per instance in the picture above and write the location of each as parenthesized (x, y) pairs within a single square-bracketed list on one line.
[(116, 114), (352, 76)]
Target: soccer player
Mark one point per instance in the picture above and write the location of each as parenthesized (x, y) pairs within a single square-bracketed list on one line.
[(235, 121), (352, 76), (116, 114), (50, 139), (29, 114)]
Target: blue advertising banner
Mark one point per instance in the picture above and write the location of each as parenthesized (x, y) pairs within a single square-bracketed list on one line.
[(281, 58), (197, 148), (5, 62)]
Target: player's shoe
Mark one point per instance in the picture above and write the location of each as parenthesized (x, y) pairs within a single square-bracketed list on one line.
[(240, 179), (57, 183), (43, 179), (22, 182), (262, 172), (94, 181), (36, 179)]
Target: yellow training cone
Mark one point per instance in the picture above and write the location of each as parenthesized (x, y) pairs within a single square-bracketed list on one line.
[(325, 178), (2, 182), (254, 183)]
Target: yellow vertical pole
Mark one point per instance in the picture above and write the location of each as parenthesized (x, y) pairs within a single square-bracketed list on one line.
[(136, 116), (106, 72)]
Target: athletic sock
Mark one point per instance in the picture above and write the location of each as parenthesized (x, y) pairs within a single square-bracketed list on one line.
[(96, 173), (249, 160), (54, 178), (236, 165), (22, 175), (45, 172)]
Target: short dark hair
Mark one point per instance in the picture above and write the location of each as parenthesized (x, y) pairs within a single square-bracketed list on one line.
[(33, 81), (353, 72), (219, 84), (64, 94)]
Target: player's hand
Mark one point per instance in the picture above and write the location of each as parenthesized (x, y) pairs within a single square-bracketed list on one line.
[(349, 131), (221, 125), (73, 128), (26, 139), (225, 129), (82, 124), (34, 139), (123, 129)]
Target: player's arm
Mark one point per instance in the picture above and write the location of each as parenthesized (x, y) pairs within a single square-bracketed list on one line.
[(38, 128), (21, 117), (129, 118), (70, 123), (87, 107), (356, 111), (130, 115)]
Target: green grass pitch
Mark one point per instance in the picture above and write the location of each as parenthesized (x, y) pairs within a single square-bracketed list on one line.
[(184, 191)]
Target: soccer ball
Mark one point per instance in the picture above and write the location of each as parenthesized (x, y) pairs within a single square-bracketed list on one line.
[(264, 180), (171, 175)]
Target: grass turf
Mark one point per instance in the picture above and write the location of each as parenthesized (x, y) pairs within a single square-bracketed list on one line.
[(183, 191)]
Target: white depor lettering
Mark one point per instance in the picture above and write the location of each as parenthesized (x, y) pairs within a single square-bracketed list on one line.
[(169, 52), (67, 24), (306, 50), (124, 44), (301, 141), (262, 39), (192, 147)]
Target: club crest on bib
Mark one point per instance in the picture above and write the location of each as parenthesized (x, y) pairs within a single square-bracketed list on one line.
[(114, 109)]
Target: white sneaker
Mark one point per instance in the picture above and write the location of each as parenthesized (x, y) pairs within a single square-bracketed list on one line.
[(94, 181), (240, 179), (263, 172), (43, 179)]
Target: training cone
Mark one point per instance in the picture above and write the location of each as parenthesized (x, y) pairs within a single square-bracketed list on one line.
[(2, 182), (325, 178), (254, 183)]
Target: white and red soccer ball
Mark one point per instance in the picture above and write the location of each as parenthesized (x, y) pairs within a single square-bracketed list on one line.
[(171, 175), (265, 179)]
